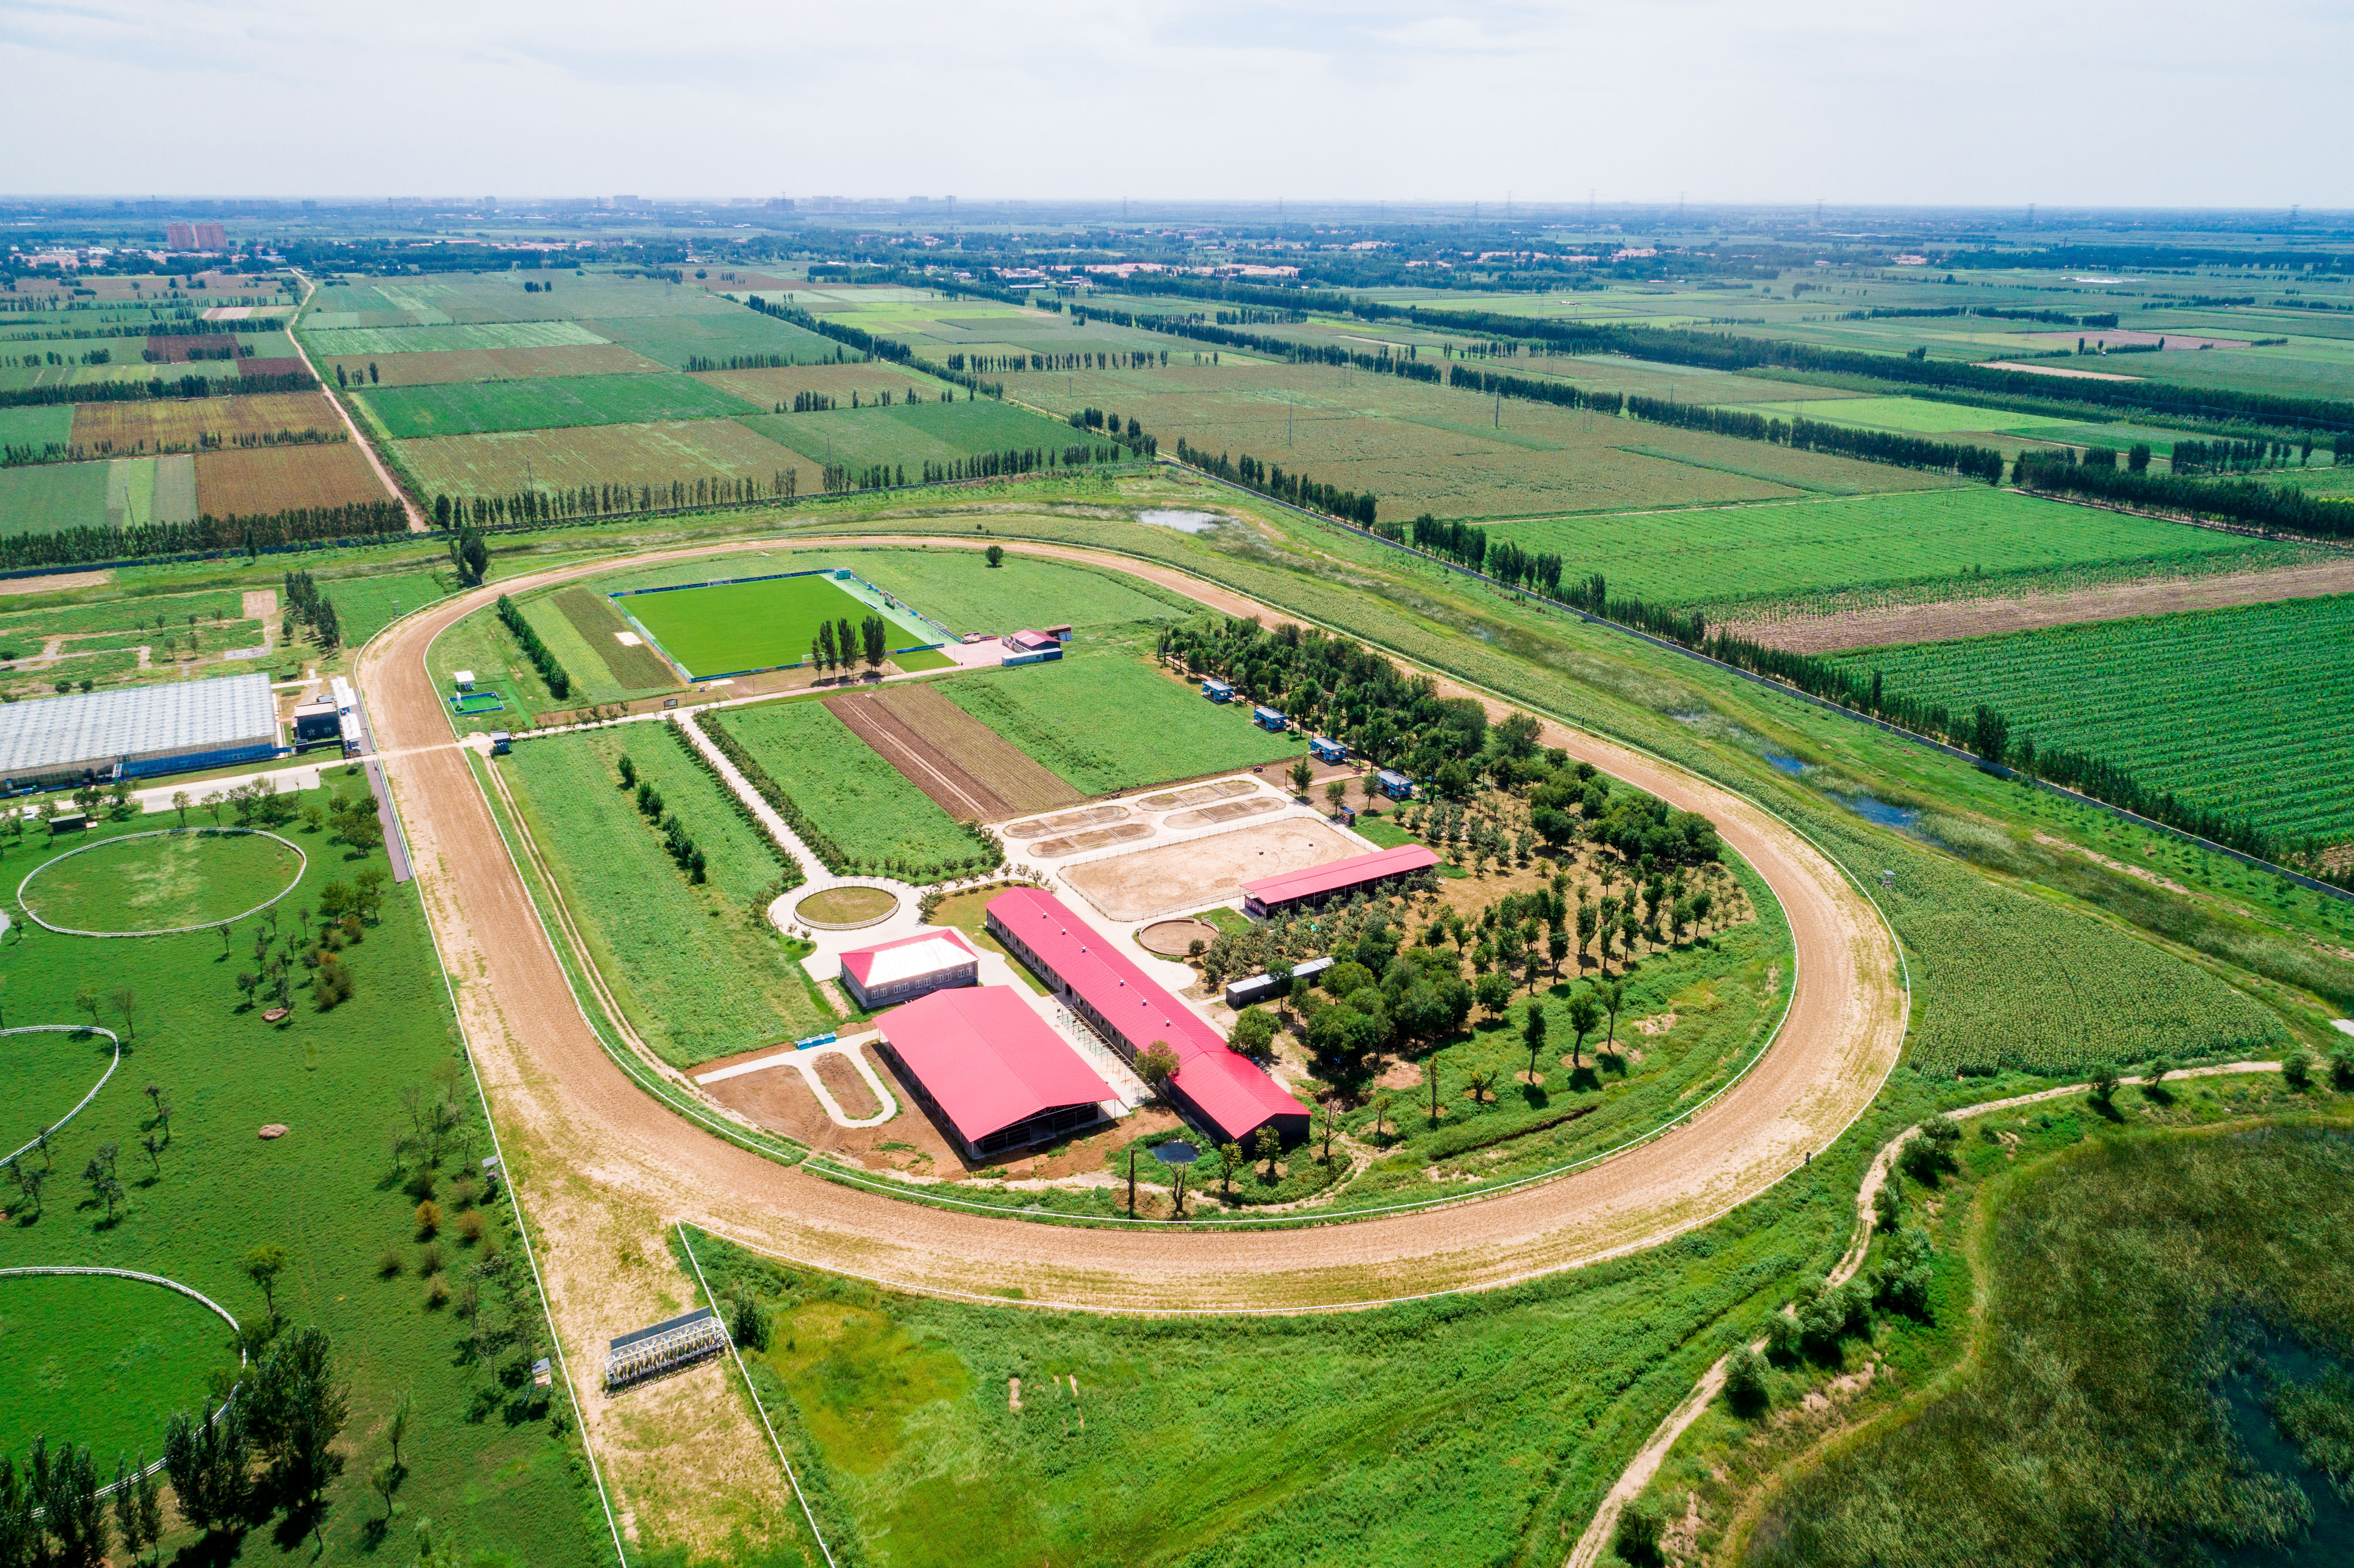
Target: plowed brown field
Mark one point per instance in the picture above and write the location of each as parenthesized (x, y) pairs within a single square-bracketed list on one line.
[(245, 481), (966, 769), (180, 421)]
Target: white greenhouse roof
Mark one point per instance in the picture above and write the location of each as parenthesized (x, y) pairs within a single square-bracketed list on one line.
[(100, 728)]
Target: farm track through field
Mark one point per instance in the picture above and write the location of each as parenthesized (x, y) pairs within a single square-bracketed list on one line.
[(596, 1156)]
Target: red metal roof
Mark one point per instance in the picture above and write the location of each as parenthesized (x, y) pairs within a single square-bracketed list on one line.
[(1334, 875), (1224, 1087), (859, 962), (987, 1060)]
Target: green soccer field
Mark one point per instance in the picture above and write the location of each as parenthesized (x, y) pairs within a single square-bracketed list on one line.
[(731, 628)]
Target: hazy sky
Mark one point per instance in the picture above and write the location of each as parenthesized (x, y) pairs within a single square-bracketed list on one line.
[(2001, 101)]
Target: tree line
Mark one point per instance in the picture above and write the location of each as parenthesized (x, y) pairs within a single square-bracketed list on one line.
[(696, 362), (207, 535), (1001, 364), (679, 843), (205, 441), (566, 503), (2231, 457), (559, 684), (2245, 502), (306, 604), (1270, 480), (240, 386), (1406, 362), (1983, 463), (869, 343)]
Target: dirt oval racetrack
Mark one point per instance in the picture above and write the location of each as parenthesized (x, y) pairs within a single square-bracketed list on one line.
[(603, 1167)]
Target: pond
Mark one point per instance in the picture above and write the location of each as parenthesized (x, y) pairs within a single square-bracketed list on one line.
[(1183, 522), (1176, 1151)]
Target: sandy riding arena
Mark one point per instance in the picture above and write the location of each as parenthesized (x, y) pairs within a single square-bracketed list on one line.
[(1205, 871)]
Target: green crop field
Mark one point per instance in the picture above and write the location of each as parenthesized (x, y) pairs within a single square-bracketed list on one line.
[(465, 408), (961, 591), (189, 878), (485, 1461), (1912, 415), (908, 435), (2242, 709), (657, 455), (715, 334), (337, 342), (44, 497), (1820, 549), (1107, 722), (699, 971), (34, 429), (853, 797), (105, 1359), (733, 627)]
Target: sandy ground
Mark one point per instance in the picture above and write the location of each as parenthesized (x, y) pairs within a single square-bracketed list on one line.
[(1205, 871), (1985, 617), (582, 1132)]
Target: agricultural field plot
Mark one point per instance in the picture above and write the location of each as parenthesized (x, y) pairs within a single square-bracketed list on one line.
[(37, 429), (698, 968), (497, 1474), (114, 494), (1822, 551), (213, 370), (731, 628), (2243, 710), (159, 423), (1107, 722), (365, 343), (676, 339), (1455, 451), (2304, 367), (849, 794), (908, 435), (246, 481), (489, 364), (866, 380), (960, 589), (1914, 416), (474, 407), (661, 454), (961, 764)]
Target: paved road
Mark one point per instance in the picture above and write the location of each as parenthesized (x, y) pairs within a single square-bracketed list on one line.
[(601, 1160)]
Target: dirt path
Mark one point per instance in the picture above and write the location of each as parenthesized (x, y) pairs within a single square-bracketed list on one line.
[(417, 523), (1950, 619), (599, 1157), (1587, 1553)]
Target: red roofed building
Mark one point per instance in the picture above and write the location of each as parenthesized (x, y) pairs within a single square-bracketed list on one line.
[(990, 1070), (911, 967), (1334, 878), (1223, 1091)]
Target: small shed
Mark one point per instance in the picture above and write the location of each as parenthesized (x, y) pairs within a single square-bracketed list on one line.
[(1059, 633), (502, 742), (1396, 785), (1242, 994), (1326, 750), (1217, 690), (1269, 719), (462, 679)]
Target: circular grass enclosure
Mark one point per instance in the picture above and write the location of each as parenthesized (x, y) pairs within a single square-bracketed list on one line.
[(846, 908), (148, 883), (48, 1074), (102, 1360)]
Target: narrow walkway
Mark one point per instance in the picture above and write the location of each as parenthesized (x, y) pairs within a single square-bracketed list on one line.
[(804, 1062)]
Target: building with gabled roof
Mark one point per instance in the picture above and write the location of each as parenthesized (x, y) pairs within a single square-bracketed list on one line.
[(1225, 1092), (892, 972), (990, 1070), (1334, 879)]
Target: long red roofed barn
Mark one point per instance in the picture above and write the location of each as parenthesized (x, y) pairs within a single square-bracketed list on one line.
[(991, 1071), (1334, 879), (1221, 1090)]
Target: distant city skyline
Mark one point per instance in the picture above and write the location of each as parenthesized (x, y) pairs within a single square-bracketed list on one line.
[(2000, 104)]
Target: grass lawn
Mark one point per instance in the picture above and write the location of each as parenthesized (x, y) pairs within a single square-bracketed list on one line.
[(1855, 544), (48, 1075), (1107, 722), (188, 877), (960, 590), (733, 626), (470, 408), (917, 659), (698, 969), (105, 1359), (909, 435), (485, 1461), (869, 811)]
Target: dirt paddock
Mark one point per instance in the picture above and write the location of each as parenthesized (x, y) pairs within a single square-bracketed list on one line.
[(963, 765), (1066, 822), (1205, 871)]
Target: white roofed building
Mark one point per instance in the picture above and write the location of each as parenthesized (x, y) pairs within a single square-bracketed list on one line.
[(892, 972)]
